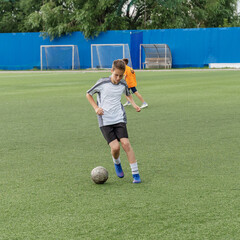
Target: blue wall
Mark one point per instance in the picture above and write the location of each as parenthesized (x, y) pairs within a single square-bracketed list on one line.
[(189, 47), (19, 51), (199, 46)]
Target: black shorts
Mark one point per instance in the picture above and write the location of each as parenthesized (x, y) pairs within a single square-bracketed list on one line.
[(133, 89), (115, 131)]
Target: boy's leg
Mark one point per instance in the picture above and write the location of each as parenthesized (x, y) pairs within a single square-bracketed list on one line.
[(128, 149), (127, 103), (111, 138), (144, 104), (139, 96), (115, 148), (131, 159), (115, 151)]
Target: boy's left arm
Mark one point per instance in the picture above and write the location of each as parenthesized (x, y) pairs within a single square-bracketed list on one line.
[(130, 99)]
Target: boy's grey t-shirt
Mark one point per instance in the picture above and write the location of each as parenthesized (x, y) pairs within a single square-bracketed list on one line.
[(109, 99)]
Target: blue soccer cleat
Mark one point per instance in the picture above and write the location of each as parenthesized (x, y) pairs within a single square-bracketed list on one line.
[(119, 171), (136, 178)]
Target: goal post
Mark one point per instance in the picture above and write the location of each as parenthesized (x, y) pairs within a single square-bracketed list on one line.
[(103, 55), (59, 57)]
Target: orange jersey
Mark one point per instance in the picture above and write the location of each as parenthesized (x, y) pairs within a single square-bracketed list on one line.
[(130, 77)]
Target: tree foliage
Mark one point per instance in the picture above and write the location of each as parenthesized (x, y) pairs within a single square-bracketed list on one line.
[(60, 17)]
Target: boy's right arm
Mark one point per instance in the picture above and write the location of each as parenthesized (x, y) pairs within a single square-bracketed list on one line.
[(97, 109), (130, 99)]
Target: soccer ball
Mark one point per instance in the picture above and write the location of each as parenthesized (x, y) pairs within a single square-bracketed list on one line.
[(99, 175)]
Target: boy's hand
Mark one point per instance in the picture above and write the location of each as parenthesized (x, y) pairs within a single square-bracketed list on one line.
[(138, 109), (99, 111)]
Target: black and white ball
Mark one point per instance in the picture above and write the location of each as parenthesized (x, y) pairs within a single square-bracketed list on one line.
[(99, 175)]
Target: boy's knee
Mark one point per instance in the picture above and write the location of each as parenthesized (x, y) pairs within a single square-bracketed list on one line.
[(115, 148), (126, 145)]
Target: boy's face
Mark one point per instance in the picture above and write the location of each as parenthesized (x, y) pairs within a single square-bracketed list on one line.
[(117, 75)]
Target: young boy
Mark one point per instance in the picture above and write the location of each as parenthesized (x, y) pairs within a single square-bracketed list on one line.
[(130, 78), (112, 117)]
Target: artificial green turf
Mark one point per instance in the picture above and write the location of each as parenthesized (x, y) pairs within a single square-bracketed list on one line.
[(186, 142)]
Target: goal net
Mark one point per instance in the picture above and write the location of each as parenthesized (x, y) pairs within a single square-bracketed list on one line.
[(103, 55), (59, 57), (155, 55)]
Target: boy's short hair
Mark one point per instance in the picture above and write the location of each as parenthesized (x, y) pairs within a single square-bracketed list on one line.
[(125, 60), (119, 64)]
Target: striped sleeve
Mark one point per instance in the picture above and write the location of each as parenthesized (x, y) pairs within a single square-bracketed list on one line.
[(127, 92), (98, 86), (93, 89)]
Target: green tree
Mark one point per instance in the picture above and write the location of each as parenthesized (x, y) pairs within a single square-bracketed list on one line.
[(193, 14), (220, 12), (8, 16), (53, 18), (98, 16), (14, 13), (59, 17)]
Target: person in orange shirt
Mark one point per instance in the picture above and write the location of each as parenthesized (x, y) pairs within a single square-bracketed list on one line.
[(130, 78)]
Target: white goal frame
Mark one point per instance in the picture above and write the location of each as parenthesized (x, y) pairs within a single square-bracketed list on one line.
[(73, 52), (124, 45)]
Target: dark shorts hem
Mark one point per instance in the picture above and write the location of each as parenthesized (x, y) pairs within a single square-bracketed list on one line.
[(133, 89), (115, 131)]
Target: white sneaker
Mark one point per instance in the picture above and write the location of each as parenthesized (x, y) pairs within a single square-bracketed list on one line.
[(144, 105), (126, 104)]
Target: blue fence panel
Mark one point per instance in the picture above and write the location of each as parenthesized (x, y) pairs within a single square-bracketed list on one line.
[(225, 47), (136, 40), (189, 47), (19, 51), (198, 47)]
